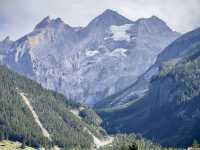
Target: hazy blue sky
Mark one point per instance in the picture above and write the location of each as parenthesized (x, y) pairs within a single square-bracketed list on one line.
[(18, 17)]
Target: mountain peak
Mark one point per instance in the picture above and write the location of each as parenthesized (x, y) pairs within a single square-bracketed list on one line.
[(152, 18), (43, 23), (110, 12), (155, 17), (109, 17), (154, 24), (7, 39), (48, 22)]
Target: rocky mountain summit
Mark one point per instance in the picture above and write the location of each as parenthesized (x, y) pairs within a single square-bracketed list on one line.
[(88, 64)]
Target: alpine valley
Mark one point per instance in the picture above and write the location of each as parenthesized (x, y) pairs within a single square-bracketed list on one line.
[(110, 85), (168, 112)]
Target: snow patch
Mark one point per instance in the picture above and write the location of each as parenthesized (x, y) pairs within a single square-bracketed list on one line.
[(101, 47), (119, 52), (120, 32), (1, 58), (19, 53), (91, 53)]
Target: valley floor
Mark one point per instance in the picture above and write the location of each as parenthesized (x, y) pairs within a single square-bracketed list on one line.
[(8, 145)]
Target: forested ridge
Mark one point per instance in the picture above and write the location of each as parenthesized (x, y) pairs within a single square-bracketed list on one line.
[(134, 142), (66, 129), (169, 112), (17, 122)]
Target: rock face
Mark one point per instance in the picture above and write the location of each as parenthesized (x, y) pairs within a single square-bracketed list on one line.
[(91, 63), (171, 55), (169, 112)]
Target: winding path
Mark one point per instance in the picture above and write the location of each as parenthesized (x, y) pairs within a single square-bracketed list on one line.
[(35, 116), (98, 142)]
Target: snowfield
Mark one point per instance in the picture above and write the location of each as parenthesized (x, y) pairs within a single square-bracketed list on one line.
[(118, 52), (91, 53), (119, 33)]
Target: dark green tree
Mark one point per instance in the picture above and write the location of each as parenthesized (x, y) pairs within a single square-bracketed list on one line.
[(23, 146), (124, 147), (195, 144), (133, 147)]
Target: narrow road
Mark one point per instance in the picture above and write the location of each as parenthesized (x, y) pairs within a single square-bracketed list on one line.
[(35, 116), (98, 142)]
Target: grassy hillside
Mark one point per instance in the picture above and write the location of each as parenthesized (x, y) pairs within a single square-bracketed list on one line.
[(8, 145), (53, 110), (120, 142)]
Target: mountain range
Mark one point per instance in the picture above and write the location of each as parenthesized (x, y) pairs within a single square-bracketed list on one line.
[(44, 119), (171, 54), (139, 76), (88, 64)]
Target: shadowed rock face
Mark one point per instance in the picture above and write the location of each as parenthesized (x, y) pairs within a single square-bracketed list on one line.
[(88, 64), (169, 112), (171, 55)]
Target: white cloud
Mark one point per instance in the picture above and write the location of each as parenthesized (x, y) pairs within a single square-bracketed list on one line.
[(18, 17)]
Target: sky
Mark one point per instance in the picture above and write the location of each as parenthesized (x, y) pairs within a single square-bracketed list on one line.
[(19, 17)]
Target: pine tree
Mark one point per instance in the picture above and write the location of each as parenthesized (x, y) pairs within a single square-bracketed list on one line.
[(1, 136), (124, 147), (133, 147), (23, 146), (195, 144)]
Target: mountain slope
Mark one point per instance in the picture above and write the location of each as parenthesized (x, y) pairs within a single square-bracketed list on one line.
[(122, 142), (180, 47), (27, 110), (172, 54), (8, 145), (169, 112), (35, 116), (91, 63)]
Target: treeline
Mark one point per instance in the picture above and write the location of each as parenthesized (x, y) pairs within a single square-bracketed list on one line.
[(133, 142), (195, 144), (186, 75)]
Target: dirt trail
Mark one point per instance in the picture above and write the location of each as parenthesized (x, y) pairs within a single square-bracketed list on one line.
[(98, 142), (27, 102)]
